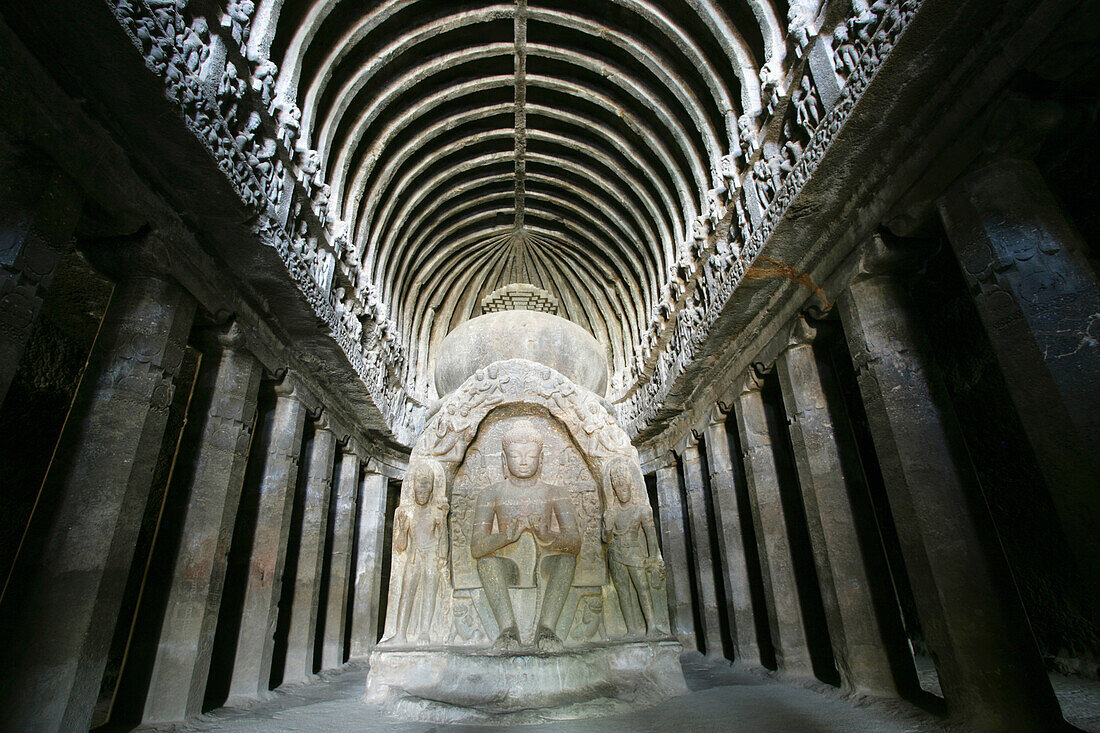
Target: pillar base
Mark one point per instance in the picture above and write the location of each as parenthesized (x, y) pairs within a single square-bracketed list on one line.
[(462, 685)]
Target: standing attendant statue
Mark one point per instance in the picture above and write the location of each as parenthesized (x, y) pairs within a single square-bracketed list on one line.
[(521, 503), (632, 554), (420, 533)]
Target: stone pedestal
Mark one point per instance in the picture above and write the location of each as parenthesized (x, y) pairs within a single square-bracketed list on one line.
[(699, 521), (38, 211), (781, 594), (731, 542), (989, 667), (343, 526), (674, 547), (867, 637), (368, 564), (1038, 298), (55, 648), (480, 686), (302, 634), (229, 385), (255, 638)]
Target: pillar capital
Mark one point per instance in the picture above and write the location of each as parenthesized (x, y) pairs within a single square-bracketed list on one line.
[(717, 414), (292, 386), (665, 460), (800, 332), (881, 258), (753, 380)]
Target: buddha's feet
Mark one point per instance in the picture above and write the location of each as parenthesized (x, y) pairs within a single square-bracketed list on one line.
[(508, 641), (547, 641)]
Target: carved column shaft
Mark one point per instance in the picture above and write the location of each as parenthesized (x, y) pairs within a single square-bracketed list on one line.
[(989, 668), (699, 523), (229, 383), (368, 564), (674, 549), (1039, 300), (731, 545), (255, 638), (311, 556), (56, 645), (37, 218), (343, 528), (866, 633), (781, 594)]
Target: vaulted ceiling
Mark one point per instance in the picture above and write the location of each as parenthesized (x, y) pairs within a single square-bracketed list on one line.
[(564, 143)]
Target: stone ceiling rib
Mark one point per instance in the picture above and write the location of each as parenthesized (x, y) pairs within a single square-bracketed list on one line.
[(469, 145)]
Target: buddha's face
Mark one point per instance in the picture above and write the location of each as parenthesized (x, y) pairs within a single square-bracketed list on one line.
[(523, 458), (422, 488)]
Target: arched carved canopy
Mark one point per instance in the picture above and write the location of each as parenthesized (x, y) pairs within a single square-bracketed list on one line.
[(564, 143)]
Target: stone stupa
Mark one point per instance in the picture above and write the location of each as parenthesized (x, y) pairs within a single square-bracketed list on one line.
[(526, 579)]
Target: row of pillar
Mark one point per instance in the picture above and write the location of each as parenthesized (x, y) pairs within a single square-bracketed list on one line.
[(974, 624), (60, 610)]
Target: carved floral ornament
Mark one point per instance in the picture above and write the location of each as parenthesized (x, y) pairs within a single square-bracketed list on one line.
[(253, 134)]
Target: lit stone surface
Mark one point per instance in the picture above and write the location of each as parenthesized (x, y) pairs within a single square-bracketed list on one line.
[(539, 337)]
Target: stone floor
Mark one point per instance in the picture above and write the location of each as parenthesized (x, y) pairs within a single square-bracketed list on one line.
[(721, 698)]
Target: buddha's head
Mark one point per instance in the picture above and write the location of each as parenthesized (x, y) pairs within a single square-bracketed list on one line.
[(522, 447)]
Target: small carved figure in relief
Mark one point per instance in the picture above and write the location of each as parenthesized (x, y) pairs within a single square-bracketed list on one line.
[(807, 113), (420, 533), (521, 503), (632, 554), (845, 55)]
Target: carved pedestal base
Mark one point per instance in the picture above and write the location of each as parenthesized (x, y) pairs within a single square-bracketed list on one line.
[(480, 686)]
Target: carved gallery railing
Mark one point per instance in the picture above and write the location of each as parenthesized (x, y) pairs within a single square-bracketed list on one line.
[(228, 101), (759, 192)]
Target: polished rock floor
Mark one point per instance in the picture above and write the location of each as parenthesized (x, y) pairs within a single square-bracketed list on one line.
[(722, 698)]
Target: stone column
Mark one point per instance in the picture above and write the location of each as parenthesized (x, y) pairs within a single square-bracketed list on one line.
[(989, 667), (55, 647), (781, 594), (868, 640), (256, 636), (38, 214), (368, 564), (731, 545), (699, 524), (674, 549), (347, 489), (229, 384), (1039, 300), (302, 634)]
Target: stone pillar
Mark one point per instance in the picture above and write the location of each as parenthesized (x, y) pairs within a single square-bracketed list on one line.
[(989, 667), (302, 634), (699, 523), (256, 636), (674, 549), (1039, 300), (731, 544), (38, 214), (368, 564), (781, 594), (868, 640), (55, 646), (343, 529), (229, 384)]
